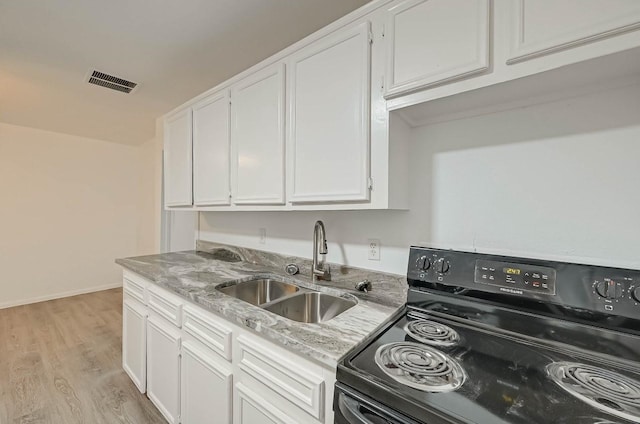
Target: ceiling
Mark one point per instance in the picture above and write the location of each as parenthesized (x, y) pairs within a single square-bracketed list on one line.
[(173, 49)]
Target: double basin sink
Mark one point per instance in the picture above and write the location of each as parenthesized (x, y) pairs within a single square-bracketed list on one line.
[(288, 300)]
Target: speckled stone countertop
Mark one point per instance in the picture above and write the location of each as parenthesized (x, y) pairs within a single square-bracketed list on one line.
[(194, 275)]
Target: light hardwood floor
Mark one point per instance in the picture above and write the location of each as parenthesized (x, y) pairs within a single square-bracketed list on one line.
[(61, 363)]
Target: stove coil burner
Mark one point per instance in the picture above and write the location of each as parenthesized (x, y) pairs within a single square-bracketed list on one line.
[(419, 366), (605, 390), (432, 333)]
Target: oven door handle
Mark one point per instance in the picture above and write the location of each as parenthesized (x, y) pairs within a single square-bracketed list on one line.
[(350, 409)]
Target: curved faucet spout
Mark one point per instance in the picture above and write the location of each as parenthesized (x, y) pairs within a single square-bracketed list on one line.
[(320, 269)]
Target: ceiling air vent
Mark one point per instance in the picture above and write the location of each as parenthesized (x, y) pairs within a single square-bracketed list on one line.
[(111, 82)]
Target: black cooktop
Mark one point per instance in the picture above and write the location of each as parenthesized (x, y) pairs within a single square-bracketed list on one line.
[(506, 374), (488, 339)]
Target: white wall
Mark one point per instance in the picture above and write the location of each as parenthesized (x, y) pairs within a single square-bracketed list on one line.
[(558, 180), (69, 206), (150, 196)]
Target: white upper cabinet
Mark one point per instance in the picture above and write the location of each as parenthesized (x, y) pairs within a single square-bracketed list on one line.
[(542, 27), (312, 128), (432, 42), (211, 150), (177, 159), (328, 120), (258, 137)]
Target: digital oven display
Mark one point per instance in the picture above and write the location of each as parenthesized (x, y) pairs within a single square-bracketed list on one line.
[(512, 271)]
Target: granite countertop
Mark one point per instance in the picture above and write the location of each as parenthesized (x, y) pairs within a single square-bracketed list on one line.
[(194, 275)]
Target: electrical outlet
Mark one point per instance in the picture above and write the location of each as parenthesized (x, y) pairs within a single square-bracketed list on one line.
[(374, 249), (263, 235)]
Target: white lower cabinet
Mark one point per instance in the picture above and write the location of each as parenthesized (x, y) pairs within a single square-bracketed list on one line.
[(198, 368), (251, 408), (134, 339), (206, 387), (288, 382), (163, 367)]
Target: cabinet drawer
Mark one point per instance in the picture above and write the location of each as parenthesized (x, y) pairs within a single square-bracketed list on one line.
[(207, 330), (135, 286), (297, 383), (165, 304)]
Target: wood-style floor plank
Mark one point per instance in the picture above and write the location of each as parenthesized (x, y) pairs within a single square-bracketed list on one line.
[(61, 363)]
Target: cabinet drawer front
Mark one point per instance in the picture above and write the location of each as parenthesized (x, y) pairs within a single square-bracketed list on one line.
[(135, 286), (166, 305), (298, 385), (209, 332)]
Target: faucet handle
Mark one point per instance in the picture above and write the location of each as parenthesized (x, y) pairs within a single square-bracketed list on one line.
[(322, 271), (327, 272), (364, 286)]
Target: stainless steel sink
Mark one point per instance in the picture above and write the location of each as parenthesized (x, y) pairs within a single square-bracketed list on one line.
[(310, 307), (259, 291)]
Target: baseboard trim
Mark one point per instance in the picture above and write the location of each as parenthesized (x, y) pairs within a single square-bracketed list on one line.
[(11, 304)]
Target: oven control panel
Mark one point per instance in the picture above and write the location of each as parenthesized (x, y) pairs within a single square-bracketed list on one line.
[(612, 291), (516, 278), (617, 292)]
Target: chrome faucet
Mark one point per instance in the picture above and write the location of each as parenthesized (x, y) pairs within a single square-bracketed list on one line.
[(320, 270)]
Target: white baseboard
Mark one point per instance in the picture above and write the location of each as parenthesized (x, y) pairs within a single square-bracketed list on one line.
[(60, 295)]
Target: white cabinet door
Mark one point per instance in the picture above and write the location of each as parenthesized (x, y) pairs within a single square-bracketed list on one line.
[(163, 367), (206, 387), (258, 137), (251, 408), (542, 27), (177, 159), (328, 120), (134, 342), (298, 386), (211, 150), (432, 42)]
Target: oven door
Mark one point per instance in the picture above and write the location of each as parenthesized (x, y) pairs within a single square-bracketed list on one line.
[(351, 407)]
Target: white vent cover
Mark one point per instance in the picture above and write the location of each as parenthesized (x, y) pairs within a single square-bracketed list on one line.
[(109, 81)]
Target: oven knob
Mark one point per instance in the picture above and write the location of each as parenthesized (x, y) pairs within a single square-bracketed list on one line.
[(602, 288), (442, 266), (608, 289), (423, 263), (636, 294)]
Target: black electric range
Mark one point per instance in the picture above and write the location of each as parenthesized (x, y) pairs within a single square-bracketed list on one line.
[(489, 339)]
